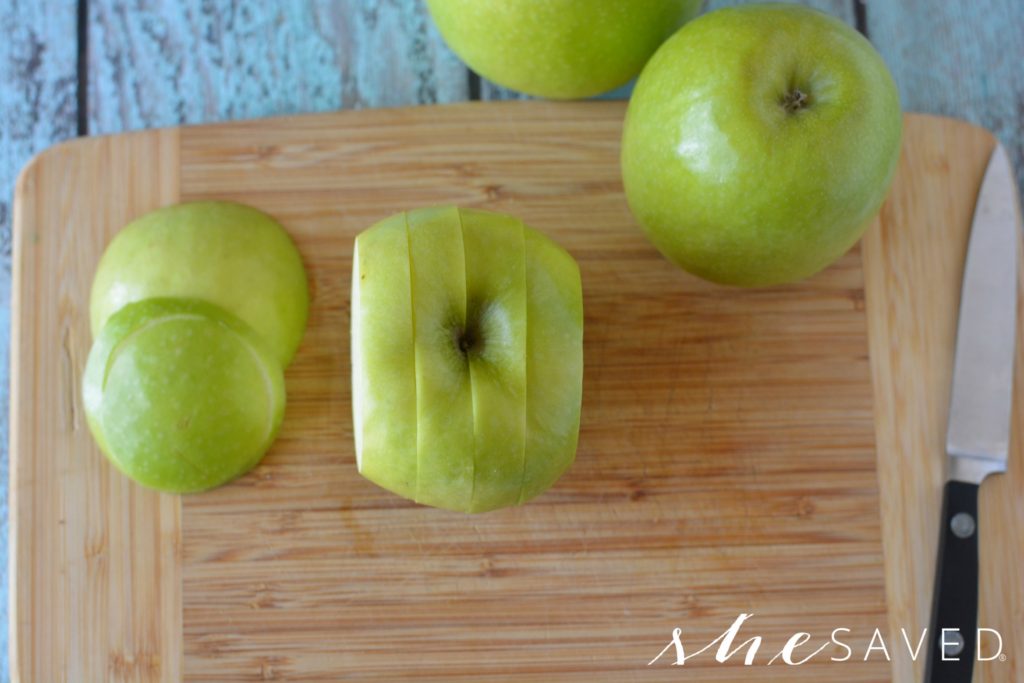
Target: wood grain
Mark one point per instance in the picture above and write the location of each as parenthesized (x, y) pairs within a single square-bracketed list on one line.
[(168, 62), (726, 459), (698, 493), (37, 109), (726, 462), (165, 62), (96, 560), (912, 272)]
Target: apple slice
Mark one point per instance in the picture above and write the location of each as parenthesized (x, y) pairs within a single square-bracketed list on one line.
[(383, 358), (181, 395), (494, 344), (444, 397), (228, 254), (492, 322), (554, 367)]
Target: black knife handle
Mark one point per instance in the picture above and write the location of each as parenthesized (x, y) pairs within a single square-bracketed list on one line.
[(955, 601)]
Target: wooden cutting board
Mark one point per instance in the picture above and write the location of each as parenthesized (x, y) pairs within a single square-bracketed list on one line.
[(736, 449)]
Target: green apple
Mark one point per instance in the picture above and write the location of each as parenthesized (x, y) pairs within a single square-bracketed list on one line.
[(181, 395), (759, 142), (228, 254), (467, 358), (560, 49)]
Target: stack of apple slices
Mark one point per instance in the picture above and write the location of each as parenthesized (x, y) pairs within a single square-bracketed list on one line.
[(467, 356), (181, 395), (196, 310)]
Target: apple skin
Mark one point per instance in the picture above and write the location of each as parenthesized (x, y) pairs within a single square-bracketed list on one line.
[(467, 355), (554, 368), (181, 395), (384, 412), (729, 183), (228, 254), (559, 49)]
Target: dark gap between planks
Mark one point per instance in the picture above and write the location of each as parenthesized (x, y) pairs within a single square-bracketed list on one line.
[(474, 84), (860, 16), (82, 68)]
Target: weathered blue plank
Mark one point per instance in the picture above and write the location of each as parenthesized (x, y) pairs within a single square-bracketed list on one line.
[(958, 59), (164, 62), (839, 8), (37, 108), (37, 89)]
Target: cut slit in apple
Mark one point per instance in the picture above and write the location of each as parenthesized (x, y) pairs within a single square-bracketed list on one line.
[(466, 327), (444, 398)]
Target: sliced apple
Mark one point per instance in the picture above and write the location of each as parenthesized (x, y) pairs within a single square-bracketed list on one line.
[(383, 358), (495, 346), (490, 312), (554, 366), (444, 398), (181, 395)]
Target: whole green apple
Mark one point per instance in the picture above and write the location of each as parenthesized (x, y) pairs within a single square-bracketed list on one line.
[(467, 358), (759, 142), (229, 254), (560, 49), (181, 395)]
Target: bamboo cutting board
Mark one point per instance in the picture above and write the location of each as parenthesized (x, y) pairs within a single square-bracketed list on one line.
[(727, 459)]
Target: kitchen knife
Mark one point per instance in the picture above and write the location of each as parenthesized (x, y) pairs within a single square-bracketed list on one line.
[(978, 435)]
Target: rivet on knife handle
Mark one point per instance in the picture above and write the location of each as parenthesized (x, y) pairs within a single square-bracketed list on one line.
[(953, 631)]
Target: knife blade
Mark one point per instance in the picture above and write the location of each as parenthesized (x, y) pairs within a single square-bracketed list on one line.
[(978, 433)]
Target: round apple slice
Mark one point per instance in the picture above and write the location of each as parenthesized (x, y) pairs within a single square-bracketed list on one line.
[(228, 254), (181, 395), (554, 365), (383, 358), (444, 396), (494, 345)]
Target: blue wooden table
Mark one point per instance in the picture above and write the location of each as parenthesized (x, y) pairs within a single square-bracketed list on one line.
[(88, 67)]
